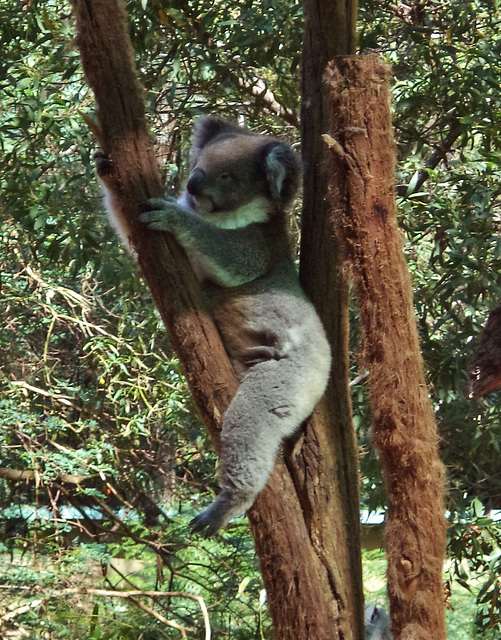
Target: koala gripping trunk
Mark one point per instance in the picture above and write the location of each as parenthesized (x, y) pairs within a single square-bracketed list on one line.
[(305, 586)]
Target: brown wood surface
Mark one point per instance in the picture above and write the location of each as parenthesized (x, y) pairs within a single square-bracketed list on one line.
[(328, 470), (362, 152), (485, 371)]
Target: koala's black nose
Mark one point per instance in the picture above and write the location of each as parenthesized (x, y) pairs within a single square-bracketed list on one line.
[(196, 182)]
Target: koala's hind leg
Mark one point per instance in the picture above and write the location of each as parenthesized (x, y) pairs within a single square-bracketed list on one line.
[(272, 401)]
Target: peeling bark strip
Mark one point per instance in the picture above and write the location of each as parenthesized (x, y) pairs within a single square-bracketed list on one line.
[(295, 543), (364, 214)]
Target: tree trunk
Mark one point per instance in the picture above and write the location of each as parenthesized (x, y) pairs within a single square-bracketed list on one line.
[(362, 196), (108, 64), (314, 590), (330, 440)]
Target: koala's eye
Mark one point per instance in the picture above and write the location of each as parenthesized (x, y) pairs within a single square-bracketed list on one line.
[(225, 177)]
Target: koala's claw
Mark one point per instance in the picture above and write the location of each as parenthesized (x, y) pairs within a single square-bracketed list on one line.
[(221, 511), (153, 219), (104, 164), (159, 213), (204, 524), (158, 204)]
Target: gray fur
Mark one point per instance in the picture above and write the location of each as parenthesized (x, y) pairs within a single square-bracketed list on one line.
[(232, 222)]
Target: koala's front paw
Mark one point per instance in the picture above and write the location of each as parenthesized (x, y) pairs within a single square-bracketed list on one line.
[(160, 214), (104, 164)]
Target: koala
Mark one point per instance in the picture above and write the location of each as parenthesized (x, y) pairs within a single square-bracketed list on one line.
[(231, 220)]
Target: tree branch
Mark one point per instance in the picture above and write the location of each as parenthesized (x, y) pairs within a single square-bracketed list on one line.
[(436, 157), (16, 475)]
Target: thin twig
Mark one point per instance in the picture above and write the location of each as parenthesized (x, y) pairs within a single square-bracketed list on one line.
[(108, 593), (127, 595)]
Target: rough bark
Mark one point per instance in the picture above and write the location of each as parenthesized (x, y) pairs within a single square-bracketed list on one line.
[(304, 580), (108, 63), (363, 161), (485, 371)]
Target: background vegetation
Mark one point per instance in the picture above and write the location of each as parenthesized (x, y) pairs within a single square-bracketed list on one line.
[(102, 460)]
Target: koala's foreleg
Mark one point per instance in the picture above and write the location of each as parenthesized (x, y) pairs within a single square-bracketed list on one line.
[(229, 257), (270, 404)]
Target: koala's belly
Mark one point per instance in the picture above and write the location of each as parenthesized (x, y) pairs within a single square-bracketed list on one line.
[(264, 326)]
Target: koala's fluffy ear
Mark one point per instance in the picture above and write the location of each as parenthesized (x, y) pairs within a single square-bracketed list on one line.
[(209, 128), (282, 169)]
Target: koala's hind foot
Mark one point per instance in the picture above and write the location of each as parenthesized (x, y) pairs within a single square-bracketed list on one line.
[(221, 511)]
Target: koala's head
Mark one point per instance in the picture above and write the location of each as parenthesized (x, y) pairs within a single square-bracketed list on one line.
[(232, 167)]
